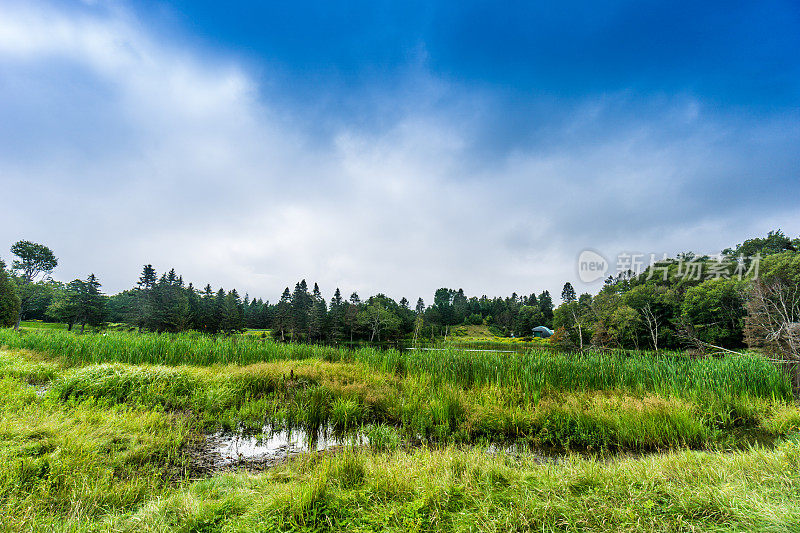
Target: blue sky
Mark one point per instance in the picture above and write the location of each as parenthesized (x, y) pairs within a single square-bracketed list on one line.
[(394, 146)]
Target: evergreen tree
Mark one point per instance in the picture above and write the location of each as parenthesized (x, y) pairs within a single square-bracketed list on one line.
[(206, 318), (194, 306), (301, 306), (317, 320), (351, 315), (148, 278), (283, 315), (218, 311), (546, 307), (336, 315), (568, 293), (460, 307), (233, 314), (336, 301), (144, 295), (91, 304), (443, 305), (169, 305)]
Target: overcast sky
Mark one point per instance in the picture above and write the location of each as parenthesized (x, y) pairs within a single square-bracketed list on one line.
[(394, 148)]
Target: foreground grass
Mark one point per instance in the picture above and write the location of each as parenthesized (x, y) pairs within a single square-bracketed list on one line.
[(62, 464), (89, 442), (455, 490)]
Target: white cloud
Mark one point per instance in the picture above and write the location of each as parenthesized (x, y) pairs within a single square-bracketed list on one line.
[(128, 148)]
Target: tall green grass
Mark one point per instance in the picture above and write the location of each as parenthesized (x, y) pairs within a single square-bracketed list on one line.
[(530, 372)]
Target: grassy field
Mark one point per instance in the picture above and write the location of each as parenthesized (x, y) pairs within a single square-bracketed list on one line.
[(97, 433)]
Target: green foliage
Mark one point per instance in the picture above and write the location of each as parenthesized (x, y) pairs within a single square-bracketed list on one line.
[(775, 242), (715, 310), (9, 300), (528, 318), (379, 320), (33, 260), (80, 302)]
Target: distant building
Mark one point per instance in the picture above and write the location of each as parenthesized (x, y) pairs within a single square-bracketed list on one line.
[(542, 331)]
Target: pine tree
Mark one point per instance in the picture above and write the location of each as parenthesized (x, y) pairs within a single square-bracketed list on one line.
[(195, 313), (233, 314), (316, 294), (206, 319), (169, 305), (65, 306), (90, 304), (546, 307), (144, 289), (317, 320), (283, 315), (148, 278), (218, 311), (568, 293), (351, 315), (34, 260), (336, 301), (301, 305)]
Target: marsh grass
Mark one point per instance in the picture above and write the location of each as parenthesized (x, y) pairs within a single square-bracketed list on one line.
[(95, 432), (530, 372), (457, 490), (64, 465), (313, 395)]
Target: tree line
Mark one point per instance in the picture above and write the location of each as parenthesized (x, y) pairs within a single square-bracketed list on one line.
[(688, 300), (693, 301)]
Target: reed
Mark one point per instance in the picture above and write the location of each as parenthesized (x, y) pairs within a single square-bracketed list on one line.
[(529, 372)]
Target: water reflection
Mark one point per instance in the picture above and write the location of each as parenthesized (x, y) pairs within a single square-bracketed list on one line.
[(276, 444)]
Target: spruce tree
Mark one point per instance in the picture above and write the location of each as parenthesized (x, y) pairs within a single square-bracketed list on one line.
[(233, 314), (90, 303), (301, 306), (283, 315), (144, 290), (546, 307), (568, 293), (148, 278)]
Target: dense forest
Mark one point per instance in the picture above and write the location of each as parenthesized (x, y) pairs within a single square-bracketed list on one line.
[(687, 301)]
